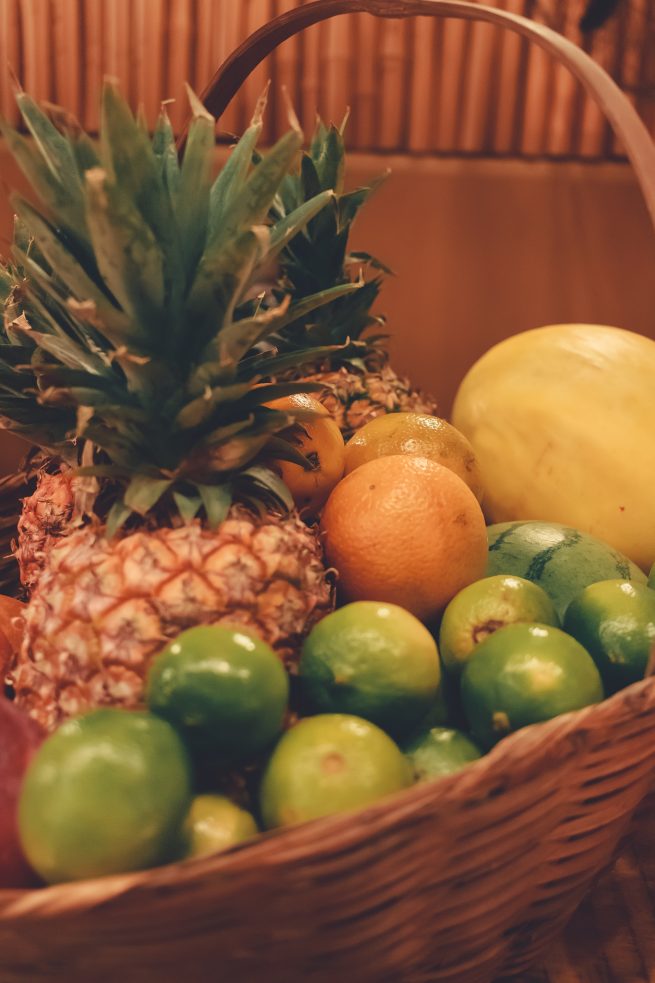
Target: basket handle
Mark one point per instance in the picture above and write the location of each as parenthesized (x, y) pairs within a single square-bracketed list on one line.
[(616, 107)]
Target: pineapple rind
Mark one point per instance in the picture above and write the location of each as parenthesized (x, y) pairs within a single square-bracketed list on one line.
[(355, 396), (103, 608)]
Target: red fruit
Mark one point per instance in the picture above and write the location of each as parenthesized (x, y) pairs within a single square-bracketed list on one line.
[(20, 736)]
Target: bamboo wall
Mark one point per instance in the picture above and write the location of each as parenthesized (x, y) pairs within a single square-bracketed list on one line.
[(426, 86)]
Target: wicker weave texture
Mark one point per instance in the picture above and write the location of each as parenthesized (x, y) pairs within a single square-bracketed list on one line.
[(454, 881)]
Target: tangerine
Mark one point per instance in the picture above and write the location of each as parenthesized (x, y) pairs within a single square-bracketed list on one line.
[(420, 435), (404, 530), (320, 440), (12, 626)]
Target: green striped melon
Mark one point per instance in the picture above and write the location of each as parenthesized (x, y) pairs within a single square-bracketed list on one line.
[(560, 559)]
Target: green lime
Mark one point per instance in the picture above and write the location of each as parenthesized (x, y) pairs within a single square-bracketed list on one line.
[(485, 606), (651, 578), (223, 688), (523, 674), (440, 751), (615, 621), (372, 660), (105, 794), (330, 763), (214, 823)]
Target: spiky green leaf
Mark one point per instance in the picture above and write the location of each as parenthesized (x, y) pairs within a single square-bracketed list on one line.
[(57, 198), (129, 256), (192, 194), (115, 323), (328, 155), (216, 500), (118, 515), (187, 505), (143, 493), (222, 277), (252, 205), (289, 226)]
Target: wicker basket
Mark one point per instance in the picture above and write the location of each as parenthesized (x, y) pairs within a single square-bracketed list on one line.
[(456, 881)]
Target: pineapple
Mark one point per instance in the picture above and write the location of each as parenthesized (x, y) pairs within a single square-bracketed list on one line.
[(360, 383), (131, 354), (13, 489)]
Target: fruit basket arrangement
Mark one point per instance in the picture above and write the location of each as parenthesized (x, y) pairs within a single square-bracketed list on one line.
[(261, 591)]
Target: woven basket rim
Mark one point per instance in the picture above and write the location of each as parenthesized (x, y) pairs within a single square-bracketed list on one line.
[(544, 746)]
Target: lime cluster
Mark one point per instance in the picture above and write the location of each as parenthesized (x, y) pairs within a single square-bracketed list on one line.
[(511, 662), (376, 706)]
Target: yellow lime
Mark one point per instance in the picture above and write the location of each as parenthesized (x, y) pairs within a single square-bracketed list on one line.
[(327, 764), (485, 606), (440, 751), (214, 823), (105, 794)]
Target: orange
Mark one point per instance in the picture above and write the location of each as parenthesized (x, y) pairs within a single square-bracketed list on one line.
[(12, 627), (320, 440), (404, 530), (420, 435)]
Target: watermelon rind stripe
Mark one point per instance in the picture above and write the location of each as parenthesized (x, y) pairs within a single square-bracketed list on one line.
[(539, 563), (498, 542)]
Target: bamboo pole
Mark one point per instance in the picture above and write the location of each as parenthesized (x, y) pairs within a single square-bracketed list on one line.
[(336, 65), (10, 57), (37, 49), (149, 28), (512, 55), (362, 130), (92, 68), (456, 35), (422, 95), (67, 54), (286, 70), (117, 28), (179, 37), (256, 13)]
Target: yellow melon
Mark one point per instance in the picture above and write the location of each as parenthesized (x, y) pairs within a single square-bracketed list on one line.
[(562, 422)]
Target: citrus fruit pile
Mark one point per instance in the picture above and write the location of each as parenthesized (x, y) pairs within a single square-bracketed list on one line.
[(448, 636)]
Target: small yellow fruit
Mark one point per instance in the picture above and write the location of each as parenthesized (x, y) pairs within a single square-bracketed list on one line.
[(321, 442), (418, 434)]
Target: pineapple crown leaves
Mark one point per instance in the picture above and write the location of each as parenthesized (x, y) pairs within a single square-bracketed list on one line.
[(318, 258), (126, 320)]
